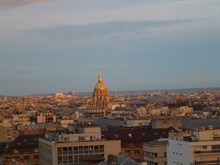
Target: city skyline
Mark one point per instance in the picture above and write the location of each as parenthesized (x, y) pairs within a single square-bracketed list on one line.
[(57, 46)]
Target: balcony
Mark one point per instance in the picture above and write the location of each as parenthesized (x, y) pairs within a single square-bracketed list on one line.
[(207, 152)]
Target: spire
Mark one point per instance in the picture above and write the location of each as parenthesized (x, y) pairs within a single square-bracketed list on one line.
[(100, 79)]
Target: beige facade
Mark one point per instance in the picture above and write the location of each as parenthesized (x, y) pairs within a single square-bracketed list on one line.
[(81, 144), (167, 123), (46, 117), (133, 151), (7, 133), (155, 152)]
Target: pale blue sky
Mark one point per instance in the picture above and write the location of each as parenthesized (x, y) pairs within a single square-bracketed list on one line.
[(62, 45)]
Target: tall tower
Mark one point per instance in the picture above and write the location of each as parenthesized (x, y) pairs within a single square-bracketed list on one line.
[(100, 95)]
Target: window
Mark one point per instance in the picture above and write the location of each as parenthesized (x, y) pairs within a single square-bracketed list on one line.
[(75, 150), (80, 150), (64, 159), (102, 148), (96, 149), (26, 157), (127, 152), (136, 152), (91, 149), (17, 157), (86, 149), (59, 159), (70, 159), (204, 147), (36, 156), (216, 147), (76, 159), (70, 150), (165, 154), (155, 154), (64, 150)]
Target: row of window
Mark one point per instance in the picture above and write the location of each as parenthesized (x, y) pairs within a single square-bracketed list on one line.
[(153, 155), (76, 158), (80, 149), (136, 152)]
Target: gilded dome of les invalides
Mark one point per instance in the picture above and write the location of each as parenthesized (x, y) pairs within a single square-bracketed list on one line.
[(100, 84), (100, 95)]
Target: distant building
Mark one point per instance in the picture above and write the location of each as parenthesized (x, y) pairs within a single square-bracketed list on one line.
[(100, 95), (59, 95), (167, 123), (181, 111), (137, 122), (94, 113), (46, 117), (201, 148), (81, 144)]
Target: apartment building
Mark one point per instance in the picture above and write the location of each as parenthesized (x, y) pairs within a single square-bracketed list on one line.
[(155, 152), (80, 144), (22, 150), (201, 147), (133, 138)]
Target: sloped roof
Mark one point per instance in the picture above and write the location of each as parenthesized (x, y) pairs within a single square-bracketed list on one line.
[(136, 135), (25, 141)]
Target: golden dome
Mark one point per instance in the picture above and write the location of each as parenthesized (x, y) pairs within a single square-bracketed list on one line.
[(100, 85)]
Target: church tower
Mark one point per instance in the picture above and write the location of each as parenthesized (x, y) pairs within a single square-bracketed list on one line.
[(100, 95)]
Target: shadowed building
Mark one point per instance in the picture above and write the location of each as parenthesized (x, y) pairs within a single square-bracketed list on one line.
[(22, 150), (132, 139)]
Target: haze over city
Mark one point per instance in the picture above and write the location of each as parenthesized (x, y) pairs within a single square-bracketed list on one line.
[(53, 45)]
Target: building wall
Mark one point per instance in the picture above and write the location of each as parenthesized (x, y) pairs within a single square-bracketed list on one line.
[(24, 156), (166, 123), (55, 153), (205, 151), (7, 133), (134, 123), (193, 152), (133, 152), (45, 152), (155, 153), (179, 152)]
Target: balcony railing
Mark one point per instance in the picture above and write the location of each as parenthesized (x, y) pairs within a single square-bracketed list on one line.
[(202, 152)]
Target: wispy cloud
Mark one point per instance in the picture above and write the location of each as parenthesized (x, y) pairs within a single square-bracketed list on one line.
[(105, 29), (14, 3)]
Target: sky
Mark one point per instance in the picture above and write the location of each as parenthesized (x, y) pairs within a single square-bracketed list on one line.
[(49, 46)]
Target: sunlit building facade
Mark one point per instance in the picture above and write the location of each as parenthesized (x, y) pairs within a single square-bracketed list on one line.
[(81, 144)]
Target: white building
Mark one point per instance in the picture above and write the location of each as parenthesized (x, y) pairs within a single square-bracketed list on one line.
[(201, 148)]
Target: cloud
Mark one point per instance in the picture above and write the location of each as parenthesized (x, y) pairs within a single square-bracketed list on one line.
[(15, 3), (105, 29)]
